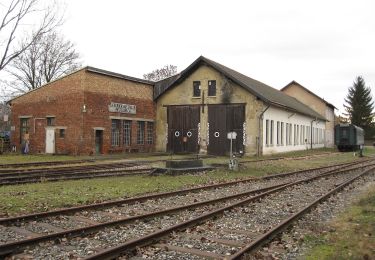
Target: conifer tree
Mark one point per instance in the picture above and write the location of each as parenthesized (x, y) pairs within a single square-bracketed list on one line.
[(359, 106)]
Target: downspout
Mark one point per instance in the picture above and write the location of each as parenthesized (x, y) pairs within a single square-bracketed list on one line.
[(311, 133), (259, 124)]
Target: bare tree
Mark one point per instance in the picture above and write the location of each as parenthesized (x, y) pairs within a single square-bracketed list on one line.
[(15, 22), (48, 58), (159, 74)]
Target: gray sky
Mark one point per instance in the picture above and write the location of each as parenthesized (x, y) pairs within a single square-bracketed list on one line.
[(323, 45)]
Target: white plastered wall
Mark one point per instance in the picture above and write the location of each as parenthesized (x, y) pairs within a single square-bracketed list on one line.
[(303, 122)]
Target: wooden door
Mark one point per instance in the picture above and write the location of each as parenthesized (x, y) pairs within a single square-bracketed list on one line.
[(183, 129), (223, 119)]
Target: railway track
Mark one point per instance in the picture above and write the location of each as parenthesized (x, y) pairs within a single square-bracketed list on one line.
[(50, 163), (131, 213), (72, 173), (62, 171)]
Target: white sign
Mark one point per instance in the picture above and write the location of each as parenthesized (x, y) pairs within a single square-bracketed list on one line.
[(232, 135), (122, 108), (5, 118)]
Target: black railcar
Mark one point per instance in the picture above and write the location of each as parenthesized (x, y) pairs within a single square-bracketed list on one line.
[(349, 137)]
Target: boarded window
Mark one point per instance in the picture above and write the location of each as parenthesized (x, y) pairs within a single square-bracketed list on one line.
[(50, 121), (196, 89), (62, 133), (150, 133), (141, 132), (127, 126), (115, 133), (212, 88)]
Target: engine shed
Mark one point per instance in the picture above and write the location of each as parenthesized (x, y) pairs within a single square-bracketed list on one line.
[(196, 109)]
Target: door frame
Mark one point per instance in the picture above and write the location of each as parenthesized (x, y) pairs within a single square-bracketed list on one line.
[(96, 130), (53, 140)]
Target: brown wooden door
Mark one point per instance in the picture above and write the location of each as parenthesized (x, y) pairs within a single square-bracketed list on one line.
[(183, 129), (223, 119)]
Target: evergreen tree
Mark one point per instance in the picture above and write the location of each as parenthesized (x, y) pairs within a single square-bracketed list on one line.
[(359, 106)]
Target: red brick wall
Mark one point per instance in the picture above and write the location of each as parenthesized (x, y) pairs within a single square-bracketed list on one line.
[(100, 91), (65, 98)]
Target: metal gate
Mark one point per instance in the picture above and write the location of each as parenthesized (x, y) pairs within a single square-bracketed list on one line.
[(223, 119), (183, 129)]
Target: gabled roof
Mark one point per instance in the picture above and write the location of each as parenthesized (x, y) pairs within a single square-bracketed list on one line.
[(117, 75), (93, 70), (312, 93), (262, 91)]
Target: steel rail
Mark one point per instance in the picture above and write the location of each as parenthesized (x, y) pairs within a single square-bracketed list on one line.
[(158, 195), (79, 177), (5, 173), (116, 251), (13, 247), (266, 237), (19, 165)]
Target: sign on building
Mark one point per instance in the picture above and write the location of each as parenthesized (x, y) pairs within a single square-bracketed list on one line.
[(122, 108)]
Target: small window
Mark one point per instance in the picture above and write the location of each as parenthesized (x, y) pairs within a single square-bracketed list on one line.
[(196, 89), (62, 133), (212, 88), (50, 121)]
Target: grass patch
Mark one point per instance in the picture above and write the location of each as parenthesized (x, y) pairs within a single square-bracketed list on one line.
[(354, 236), (44, 196)]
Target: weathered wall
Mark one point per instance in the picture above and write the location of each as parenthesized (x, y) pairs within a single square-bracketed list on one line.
[(65, 99), (61, 99), (182, 94), (318, 105), (100, 91)]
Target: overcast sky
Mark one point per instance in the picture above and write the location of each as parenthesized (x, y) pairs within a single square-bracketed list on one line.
[(323, 45)]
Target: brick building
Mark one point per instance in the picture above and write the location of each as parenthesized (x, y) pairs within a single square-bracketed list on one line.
[(87, 112)]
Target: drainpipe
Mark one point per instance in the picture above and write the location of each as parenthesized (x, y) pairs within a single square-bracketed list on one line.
[(259, 124), (311, 133)]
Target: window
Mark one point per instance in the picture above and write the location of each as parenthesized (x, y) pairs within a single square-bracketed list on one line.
[(298, 135), (196, 89), (271, 135), (267, 131), (290, 134), (127, 127), (24, 128), (50, 121), (278, 133), (212, 88), (115, 131), (150, 133), (62, 133), (141, 132), (282, 134), (287, 134)]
